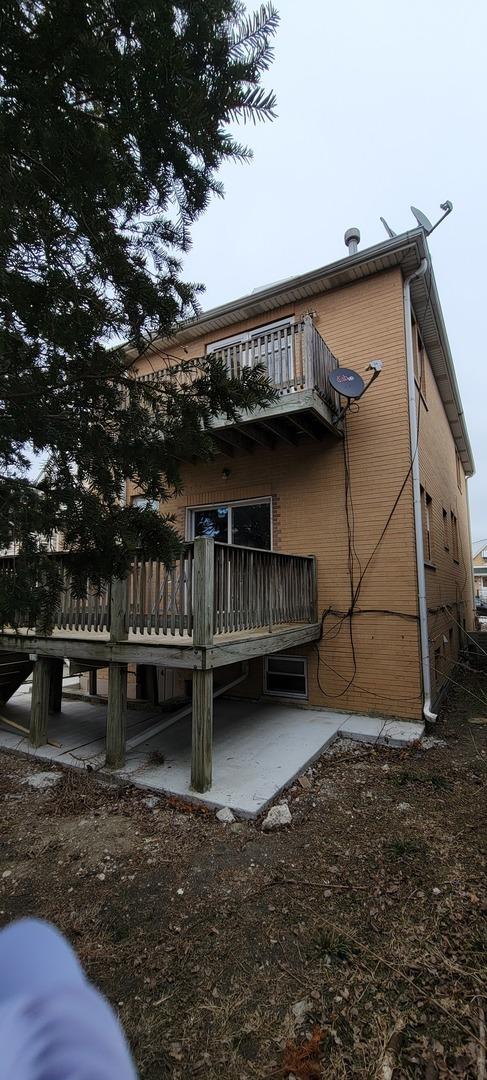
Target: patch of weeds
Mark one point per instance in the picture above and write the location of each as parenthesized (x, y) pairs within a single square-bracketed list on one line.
[(404, 848), (439, 782), (120, 933), (405, 776), (478, 943), (333, 947), (156, 758)]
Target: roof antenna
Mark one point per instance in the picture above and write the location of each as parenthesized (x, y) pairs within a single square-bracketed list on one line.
[(390, 232), (425, 223)]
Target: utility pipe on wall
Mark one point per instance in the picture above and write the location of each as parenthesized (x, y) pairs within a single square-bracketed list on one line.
[(418, 515)]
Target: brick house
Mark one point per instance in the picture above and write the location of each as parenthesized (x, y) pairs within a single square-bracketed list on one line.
[(366, 608)]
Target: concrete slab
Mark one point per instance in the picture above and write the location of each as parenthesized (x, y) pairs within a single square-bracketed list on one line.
[(381, 730), (259, 747)]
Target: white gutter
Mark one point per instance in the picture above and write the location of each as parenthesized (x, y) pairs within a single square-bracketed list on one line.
[(418, 516)]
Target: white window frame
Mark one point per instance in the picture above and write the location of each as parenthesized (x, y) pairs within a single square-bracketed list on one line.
[(141, 502), (283, 693), (229, 504)]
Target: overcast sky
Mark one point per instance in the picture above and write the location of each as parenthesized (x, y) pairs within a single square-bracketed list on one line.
[(380, 105)]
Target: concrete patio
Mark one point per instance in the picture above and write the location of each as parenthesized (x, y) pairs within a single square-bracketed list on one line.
[(259, 747)]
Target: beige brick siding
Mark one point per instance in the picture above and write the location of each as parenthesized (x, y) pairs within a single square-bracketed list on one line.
[(361, 322), (448, 580)]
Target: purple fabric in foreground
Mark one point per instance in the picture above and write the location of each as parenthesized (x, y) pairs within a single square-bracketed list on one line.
[(53, 1024)]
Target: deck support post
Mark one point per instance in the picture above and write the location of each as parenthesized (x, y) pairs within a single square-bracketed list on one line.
[(116, 715), (55, 685), (202, 733), (202, 728), (40, 702), (117, 678)]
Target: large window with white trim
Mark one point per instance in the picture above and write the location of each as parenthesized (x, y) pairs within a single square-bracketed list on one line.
[(248, 524)]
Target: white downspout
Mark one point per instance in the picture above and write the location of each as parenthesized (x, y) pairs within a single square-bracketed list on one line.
[(418, 517)]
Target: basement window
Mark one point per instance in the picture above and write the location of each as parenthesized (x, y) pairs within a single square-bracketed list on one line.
[(286, 676)]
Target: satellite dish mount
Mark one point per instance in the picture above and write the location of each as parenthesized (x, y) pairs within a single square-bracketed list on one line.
[(350, 385), (425, 223)]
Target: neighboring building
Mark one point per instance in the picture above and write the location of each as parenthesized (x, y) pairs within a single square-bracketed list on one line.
[(480, 575), (394, 588)]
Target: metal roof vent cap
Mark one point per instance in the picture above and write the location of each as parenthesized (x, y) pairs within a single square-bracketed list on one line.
[(352, 240)]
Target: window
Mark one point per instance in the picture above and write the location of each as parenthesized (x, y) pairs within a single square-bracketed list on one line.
[(426, 507), (247, 524), (142, 503), (446, 535), (459, 470), (286, 676), (454, 536)]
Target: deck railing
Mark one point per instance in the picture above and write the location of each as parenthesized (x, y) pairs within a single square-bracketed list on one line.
[(295, 357), (245, 589), (254, 588)]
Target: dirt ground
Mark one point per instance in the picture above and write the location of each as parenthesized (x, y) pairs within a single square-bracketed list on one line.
[(352, 944)]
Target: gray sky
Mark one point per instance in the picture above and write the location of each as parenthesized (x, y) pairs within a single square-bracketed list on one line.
[(380, 105)]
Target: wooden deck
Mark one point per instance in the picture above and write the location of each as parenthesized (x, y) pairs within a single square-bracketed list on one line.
[(165, 651), (218, 605)]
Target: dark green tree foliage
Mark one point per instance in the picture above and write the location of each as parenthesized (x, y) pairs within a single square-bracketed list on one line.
[(114, 119)]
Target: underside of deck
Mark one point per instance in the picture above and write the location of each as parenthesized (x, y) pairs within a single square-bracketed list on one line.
[(304, 414)]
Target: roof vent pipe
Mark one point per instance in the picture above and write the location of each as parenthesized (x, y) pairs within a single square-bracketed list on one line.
[(352, 240)]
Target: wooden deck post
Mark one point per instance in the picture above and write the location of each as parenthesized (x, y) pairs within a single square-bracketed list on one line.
[(202, 730), (55, 685), (202, 733), (117, 678), (116, 715), (40, 701)]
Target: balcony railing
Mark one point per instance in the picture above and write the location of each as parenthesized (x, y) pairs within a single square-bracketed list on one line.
[(245, 588), (294, 355)]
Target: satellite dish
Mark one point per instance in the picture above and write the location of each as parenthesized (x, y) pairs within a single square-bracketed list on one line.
[(422, 220), (346, 382), (390, 232)]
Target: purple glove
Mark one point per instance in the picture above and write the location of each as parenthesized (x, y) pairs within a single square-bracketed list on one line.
[(53, 1024)]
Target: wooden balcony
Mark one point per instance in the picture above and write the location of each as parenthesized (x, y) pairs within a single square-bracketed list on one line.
[(298, 363), (218, 605), (152, 616)]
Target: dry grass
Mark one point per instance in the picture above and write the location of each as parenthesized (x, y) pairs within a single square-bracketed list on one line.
[(350, 945)]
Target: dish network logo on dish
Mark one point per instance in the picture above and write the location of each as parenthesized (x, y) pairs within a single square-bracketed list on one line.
[(344, 378)]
